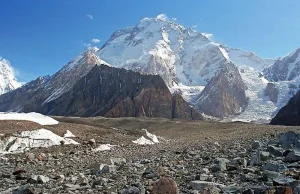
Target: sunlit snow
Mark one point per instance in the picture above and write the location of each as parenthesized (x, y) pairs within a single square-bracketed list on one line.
[(69, 134), (152, 139), (34, 117), (20, 142), (104, 147)]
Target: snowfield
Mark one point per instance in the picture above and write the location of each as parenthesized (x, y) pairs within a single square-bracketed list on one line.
[(33, 117), (25, 140)]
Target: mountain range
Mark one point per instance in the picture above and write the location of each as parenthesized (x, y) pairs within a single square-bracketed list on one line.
[(214, 79)]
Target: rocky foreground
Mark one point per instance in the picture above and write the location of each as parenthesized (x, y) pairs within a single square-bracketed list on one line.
[(192, 157)]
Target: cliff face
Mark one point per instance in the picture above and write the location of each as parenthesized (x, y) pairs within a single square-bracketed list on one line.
[(224, 95), (110, 92), (272, 92), (289, 114)]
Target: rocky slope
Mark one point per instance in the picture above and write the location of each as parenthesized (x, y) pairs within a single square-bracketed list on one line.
[(224, 95), (223, 158), (112, 92), (83, 88), (47, 88), (8, 81), (289, 114)]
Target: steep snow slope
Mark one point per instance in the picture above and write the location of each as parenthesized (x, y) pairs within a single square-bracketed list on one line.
[(284, 69), (246, 59), (159, 46), (8, 81)]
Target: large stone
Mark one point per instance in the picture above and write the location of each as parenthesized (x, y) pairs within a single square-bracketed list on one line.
[(239, 161), (24, 189), (42, 179), (275, 151), (274, 167), (283, 181), (165, 186), (256, 144), (199, 185), (271, 175), (264, 156), (220, 165), (290, 140), (118, 161), (32, 179), (130, 190), (99, 168), (292, 156)]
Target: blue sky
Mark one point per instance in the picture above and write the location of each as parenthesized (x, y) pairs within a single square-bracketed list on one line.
[(39, 36)]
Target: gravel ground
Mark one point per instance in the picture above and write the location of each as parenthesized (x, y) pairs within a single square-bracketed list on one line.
[(191, 151)]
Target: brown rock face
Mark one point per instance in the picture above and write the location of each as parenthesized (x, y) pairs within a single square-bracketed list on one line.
[(224, 95), (111, 92), (165, 186), (289, 114), (272, 92)]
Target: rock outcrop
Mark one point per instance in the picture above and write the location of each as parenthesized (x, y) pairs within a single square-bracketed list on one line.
[(224, 95), (289, 114), (272, 92)]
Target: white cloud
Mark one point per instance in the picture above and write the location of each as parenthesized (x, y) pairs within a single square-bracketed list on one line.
[(95, 40), (90, 16), (162, 17), (174, 19), (194, 26), (207, 35), (87, 45)]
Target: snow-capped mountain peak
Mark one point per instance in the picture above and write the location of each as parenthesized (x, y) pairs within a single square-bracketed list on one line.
[(161, 46), (78, 67), (187, 60), (8, 81), (285, 69)]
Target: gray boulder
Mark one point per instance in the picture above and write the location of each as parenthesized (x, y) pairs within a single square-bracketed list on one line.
[(131, 190), (292, 156), (275, 151), (256, 144), (290, 140), (264, 156), (274, 167), (199, 185), (220, 165)]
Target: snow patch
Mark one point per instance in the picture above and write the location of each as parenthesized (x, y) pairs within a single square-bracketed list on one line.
[(104, 147), (151, 136), (34, 117), (25, 140), (143, 141), (152, 139), (69, 134)]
